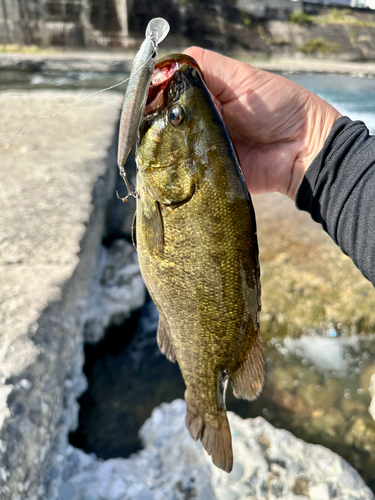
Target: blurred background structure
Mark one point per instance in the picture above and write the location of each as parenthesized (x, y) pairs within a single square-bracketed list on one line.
[(114, 23)]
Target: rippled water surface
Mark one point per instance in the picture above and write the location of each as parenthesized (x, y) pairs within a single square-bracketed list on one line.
[(353, 97), (71, 80)]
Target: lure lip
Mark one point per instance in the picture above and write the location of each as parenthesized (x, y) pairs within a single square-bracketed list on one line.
[(157, 29)]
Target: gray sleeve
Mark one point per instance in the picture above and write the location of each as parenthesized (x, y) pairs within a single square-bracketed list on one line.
[(338, 191)]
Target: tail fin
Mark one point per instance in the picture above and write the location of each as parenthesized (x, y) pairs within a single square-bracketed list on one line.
[(214, 432)]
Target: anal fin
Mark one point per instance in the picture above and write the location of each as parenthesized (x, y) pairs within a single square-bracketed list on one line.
[(164, 340), (247, 379)]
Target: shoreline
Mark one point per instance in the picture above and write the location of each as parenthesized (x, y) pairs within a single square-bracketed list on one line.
[(111, 62), (316, 66)]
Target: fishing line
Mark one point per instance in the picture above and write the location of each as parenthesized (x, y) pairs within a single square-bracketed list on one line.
[(72, 105)]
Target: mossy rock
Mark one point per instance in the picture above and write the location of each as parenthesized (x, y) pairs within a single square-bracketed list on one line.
[(307, 281), (320, 46)]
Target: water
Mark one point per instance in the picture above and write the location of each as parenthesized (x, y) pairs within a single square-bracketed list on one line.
[(128, 377), (353, 97), (71, 80)]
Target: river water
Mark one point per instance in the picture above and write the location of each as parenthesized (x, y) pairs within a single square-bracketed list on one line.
[(319, 384), (353, 97)]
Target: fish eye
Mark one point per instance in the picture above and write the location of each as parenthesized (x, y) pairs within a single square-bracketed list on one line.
[(176, 115)]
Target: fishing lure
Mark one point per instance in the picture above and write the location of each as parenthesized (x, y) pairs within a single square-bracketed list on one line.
[(136, 93)]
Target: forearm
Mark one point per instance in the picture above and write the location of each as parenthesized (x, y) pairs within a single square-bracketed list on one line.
[(338, 191)]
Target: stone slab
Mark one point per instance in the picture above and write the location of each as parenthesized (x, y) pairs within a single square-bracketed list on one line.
[(57, 177)]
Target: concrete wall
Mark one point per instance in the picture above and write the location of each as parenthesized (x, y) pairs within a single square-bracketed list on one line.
[(217, 24), (69, 23), (276, 9)]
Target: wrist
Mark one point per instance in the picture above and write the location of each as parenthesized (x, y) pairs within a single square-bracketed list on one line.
[(321, 117)]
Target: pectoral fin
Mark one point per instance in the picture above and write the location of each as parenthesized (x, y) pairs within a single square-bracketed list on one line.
[(154, 228), (164, 340)]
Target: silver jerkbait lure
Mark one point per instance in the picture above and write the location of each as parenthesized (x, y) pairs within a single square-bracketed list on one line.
[(136, 93)]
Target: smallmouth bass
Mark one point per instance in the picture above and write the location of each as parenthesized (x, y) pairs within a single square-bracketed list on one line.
[(195, 234)]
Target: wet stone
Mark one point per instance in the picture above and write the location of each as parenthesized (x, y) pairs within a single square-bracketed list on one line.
[(349, 480), (276, 488), (263, 489), (144, 495), (332, 491), (206, 494), (67, 492), (246, 490), (319, 492), (236, 473), (118, 289), (225, 493), (170, 457)]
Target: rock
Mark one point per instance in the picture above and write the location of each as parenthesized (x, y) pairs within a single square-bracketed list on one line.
[(117, 290), (305, 277), (269, 463)]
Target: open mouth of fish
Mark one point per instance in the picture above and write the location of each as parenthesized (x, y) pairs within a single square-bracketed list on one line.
[(163, 74)]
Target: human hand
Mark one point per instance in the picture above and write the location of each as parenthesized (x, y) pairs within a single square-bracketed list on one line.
[(277, 126)]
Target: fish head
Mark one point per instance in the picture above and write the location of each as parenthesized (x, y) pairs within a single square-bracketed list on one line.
[(180, 126)]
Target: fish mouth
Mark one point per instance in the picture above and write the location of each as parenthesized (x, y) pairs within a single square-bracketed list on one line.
[(164, 72)]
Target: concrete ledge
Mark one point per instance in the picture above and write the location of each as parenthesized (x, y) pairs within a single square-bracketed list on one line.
[(321, 66), (57, 176)]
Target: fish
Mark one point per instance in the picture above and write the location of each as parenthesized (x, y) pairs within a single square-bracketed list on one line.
[(195, 233), (136, 92)]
